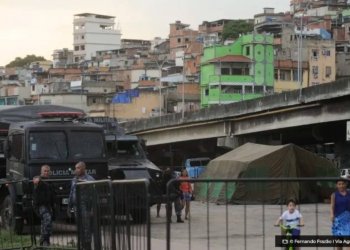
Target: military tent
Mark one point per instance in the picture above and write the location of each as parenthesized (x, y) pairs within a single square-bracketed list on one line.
[(264, 161)]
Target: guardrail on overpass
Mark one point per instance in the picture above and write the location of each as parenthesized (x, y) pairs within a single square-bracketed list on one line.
[(250, 116)]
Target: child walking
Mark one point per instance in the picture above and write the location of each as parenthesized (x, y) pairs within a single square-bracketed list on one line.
[(291, 218)]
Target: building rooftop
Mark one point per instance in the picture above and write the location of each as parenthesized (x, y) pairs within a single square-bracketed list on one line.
[(92, 14)]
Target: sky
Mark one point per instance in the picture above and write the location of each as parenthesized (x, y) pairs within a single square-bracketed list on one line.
[(40, 26)]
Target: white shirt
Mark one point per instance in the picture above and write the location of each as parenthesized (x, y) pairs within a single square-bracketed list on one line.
[(291, 219)]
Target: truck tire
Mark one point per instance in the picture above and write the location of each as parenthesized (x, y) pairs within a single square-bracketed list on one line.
[(8, 218), (139, 215)]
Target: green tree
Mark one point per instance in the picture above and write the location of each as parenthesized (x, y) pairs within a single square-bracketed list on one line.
[(24, 62), (236, 27)]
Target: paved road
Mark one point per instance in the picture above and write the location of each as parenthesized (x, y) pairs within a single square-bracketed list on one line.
[(220, 227), (223, 227)]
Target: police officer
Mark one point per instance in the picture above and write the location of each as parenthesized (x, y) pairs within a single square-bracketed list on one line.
[(85, 205), (44, 200), (175, 196)]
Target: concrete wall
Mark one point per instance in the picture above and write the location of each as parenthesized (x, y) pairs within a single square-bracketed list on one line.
[(141, 107), (69, 100), (343, 64)]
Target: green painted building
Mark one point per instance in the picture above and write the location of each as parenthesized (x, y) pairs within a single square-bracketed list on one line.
[(240, 71)]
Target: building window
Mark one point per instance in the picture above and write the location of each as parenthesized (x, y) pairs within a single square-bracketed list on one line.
[(187, 40), (225, 71), (237, 89), (248, 89), (328, 71), (237, 71), (285, 75), (206, 92), (179, 40), (247, 51), (76, 48), (82, 47), (276, 74), (296, 75), (326, 52), (232, 89), (83, 37), (258, 89), (314, 54)]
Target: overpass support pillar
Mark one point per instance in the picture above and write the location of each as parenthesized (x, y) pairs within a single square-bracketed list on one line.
[(229, 142)]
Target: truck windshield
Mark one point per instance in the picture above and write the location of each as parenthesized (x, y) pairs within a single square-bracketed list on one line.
[(54, 145), (48, 145), (129, 149), (87, 144)]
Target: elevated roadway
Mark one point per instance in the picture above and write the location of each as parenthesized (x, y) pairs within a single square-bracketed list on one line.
[(233, 124)]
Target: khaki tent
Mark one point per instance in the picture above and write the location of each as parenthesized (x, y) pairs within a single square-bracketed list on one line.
[(256, 161)]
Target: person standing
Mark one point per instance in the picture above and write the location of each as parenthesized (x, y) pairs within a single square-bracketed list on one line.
[(174, 196), (80, 176), (340, 210), (44, 200), (85, 211), (186, 189)]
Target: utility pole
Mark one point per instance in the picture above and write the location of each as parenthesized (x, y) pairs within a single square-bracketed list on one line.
[(160, 67), (300, 49), (220, 81), (183, 88)]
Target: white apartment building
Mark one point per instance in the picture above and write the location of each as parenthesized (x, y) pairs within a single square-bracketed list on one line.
[(94, 32)]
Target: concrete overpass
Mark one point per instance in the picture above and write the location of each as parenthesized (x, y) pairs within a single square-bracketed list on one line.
[(314, 105), (314, 116)]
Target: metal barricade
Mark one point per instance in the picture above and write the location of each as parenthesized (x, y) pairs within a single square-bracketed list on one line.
[(221, 218), (9, 239), (20, 219), (113, 215)]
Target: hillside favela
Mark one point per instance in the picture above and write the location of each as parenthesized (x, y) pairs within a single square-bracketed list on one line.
[(227, 134)]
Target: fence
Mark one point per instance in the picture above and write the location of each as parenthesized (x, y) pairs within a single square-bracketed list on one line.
[(241, 213), (20, 223), (109, 215), (226, 214), (113, 215)]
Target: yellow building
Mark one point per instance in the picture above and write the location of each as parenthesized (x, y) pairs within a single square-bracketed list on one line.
[(317, 61)]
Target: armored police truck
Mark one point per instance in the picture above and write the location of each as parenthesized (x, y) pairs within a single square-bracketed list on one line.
[(127, 160), (59, 139)]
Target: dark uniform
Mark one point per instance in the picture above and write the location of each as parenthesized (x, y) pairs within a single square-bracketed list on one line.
[(44, 200), (85, 209), (175, 196)]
